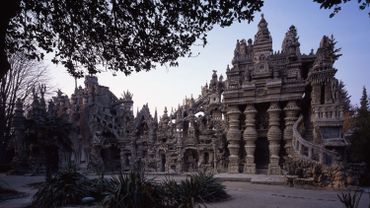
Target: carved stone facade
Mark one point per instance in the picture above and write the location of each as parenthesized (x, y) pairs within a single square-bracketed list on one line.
[(273, 89), (273, 105)]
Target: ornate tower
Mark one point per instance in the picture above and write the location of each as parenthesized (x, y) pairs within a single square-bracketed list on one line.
[(327, 112), (262, 49)]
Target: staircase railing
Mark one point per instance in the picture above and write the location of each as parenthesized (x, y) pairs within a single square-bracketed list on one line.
[(309, 151)]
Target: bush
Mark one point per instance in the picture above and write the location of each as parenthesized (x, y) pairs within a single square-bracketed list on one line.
[(100, 188), (132, 191), (65, 188), (200, 188), (349, 200)]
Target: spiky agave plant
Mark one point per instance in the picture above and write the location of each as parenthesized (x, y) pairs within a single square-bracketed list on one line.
[(100, 188), (65, 188), (210, 190), (176, 195), (132, 191), (199, 189), (350, 200)]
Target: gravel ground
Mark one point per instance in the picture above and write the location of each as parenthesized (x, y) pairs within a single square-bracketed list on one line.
[(244, 194)]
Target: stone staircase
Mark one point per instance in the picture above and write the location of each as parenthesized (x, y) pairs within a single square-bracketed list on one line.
[(308, 133), (305, 149)]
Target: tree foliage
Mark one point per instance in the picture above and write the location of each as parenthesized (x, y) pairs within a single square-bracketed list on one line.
[(364, 103), (120, 35), (336, 5), (91, 36), (361, 135), (345, 97)]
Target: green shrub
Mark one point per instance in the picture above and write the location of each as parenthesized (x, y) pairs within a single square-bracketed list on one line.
[(100, 188), (350, 200), (200, 188), (132, 191), (65, 188)]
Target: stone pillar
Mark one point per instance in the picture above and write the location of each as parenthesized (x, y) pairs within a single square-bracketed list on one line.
[(233, 138), (274, 137), (250, 136), (291, 110)]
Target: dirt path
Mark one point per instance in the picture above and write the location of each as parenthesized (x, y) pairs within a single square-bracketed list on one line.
[(246, 195)]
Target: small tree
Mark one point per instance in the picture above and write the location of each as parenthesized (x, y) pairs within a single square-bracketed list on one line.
[(24, 75), (347, 107), (361, 136)]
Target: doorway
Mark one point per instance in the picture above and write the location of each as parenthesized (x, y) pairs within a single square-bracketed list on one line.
[(163, 162), (261, 155), (190, 160)]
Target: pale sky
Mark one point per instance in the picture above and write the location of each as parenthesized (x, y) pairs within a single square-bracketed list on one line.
[(169, 86)]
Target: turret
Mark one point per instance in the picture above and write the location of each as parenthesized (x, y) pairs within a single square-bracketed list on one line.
[(263, 33), (321, 75), (291, 44), (127, 100), (262, 47)]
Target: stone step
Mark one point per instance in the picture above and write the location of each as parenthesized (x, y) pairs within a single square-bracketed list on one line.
[(252, 178)]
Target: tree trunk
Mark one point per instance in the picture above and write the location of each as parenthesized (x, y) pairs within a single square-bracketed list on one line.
[(3, 139), (6, 14)]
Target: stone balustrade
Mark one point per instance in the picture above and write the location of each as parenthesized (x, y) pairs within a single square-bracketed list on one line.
[(310, 151)]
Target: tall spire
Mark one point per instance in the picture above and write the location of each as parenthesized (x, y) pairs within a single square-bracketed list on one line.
[(262, 47), (155, 115), (263, 33)]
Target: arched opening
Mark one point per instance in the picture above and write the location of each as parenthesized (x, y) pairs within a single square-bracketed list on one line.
[(111, 158), (163, 162), (52, 159), (206, 158), (127, 159), (190, 160)]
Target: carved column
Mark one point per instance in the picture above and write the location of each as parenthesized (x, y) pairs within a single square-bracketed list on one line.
[(274, 137), (250, 136), (291, 111), (233, 138)]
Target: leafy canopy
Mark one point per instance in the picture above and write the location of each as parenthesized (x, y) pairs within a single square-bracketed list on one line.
[(120, 35), (336, 5), (127, 36)]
